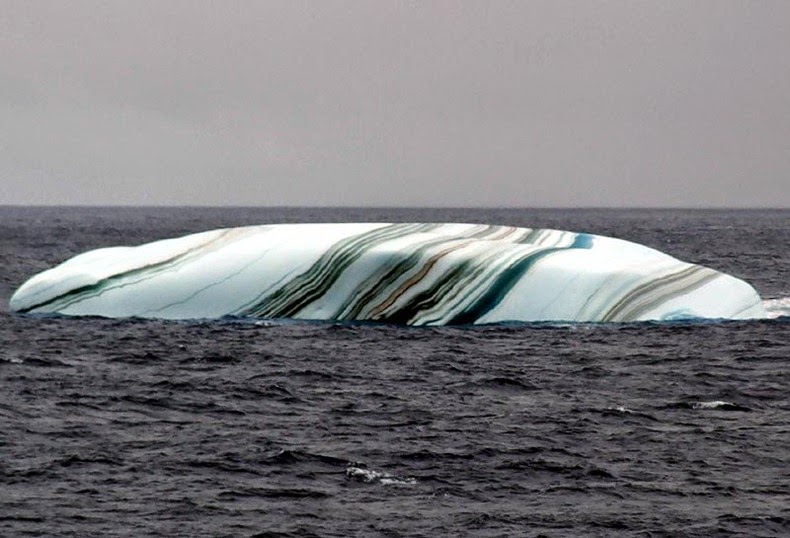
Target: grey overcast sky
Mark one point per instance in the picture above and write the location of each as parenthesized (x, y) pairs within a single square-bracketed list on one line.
[(528, 103)]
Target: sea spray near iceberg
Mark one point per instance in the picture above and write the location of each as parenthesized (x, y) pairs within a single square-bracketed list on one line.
[(407, 273), (777, 307)]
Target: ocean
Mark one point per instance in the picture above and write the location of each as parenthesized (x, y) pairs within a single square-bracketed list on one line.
[(130, 427)]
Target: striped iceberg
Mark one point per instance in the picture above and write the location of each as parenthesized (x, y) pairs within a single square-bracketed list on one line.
[(411, 273)]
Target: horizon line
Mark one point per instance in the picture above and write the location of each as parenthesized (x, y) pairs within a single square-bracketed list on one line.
[(448, 207)]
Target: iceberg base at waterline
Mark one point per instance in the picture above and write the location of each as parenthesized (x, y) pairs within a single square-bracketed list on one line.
[(405, 273)]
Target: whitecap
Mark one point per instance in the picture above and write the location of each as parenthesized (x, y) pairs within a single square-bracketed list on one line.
[(370, 476), (721, 405), (711, 405), (777, 307)]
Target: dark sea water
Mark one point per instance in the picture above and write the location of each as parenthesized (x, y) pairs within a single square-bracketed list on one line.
[(231, 428)]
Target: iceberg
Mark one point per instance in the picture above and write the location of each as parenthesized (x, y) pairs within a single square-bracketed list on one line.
[(403, 273)]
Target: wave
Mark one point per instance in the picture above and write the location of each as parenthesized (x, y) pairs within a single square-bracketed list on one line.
[(369, 476), (718, 404), (778, 307)]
